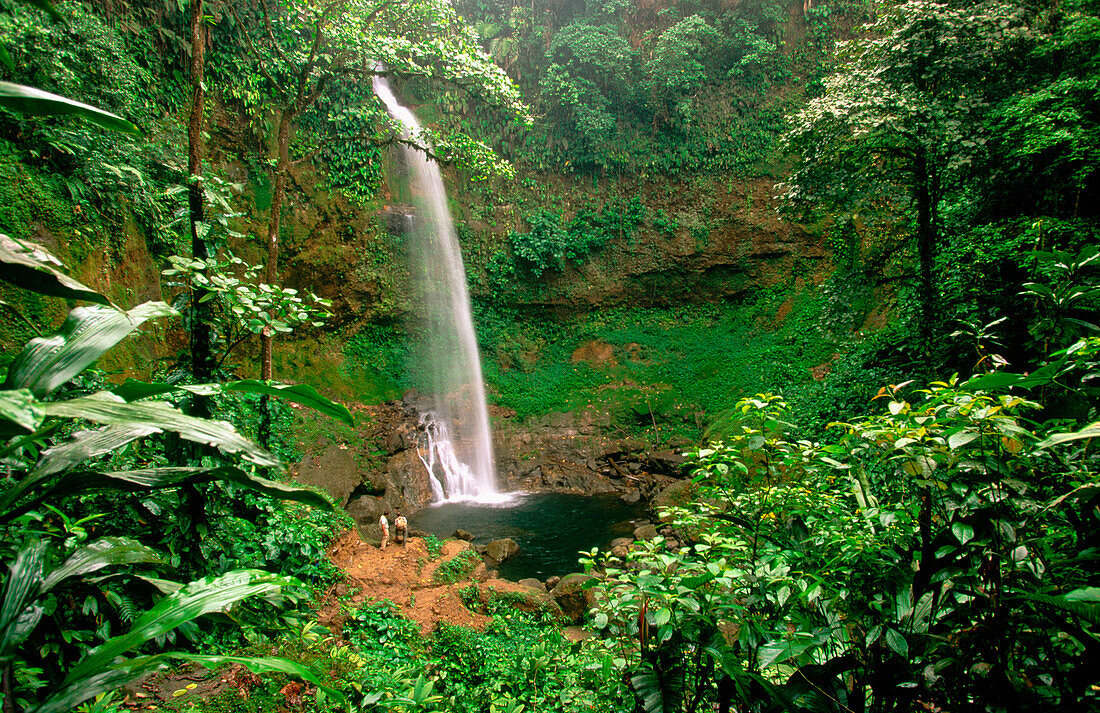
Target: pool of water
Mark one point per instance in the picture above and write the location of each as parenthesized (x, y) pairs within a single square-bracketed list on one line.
[(550, 528)]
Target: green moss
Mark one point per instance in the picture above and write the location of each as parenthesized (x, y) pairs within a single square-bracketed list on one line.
[(671, 366)]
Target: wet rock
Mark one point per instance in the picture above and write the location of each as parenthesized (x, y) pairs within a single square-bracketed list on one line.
[(533, 584), (572, 597), (463, 535), (632, 496), (645, 532), (620, 551), (409, 487), (622, 542), (501, 551)]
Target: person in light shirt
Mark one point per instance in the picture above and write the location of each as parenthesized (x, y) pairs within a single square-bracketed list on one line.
[(384, 523)]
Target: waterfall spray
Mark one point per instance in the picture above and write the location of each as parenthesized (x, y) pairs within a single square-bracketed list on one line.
[(459, 447)]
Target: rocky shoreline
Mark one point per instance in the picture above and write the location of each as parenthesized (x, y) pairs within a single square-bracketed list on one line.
[(381, 470)]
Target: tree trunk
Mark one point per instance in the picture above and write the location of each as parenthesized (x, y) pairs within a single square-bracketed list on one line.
[(201, 337), (7, 687), (926, 249), (271, 274)]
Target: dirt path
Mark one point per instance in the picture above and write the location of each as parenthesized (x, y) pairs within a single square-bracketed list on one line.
[(405, 576)]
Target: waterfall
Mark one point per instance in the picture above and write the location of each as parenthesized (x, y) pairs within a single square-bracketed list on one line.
[(459, 447)]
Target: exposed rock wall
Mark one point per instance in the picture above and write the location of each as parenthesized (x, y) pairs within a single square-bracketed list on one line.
[(380, 469)]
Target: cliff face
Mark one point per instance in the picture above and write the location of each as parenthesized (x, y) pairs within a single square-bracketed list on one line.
[(716, 238)]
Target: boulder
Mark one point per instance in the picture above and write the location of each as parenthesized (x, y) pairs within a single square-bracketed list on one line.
[(631, 496), (666, 463), (529, 599), (463, 535), (409, 487), (676, 494), (533, 584), (552, 582), (572, 597), (365, 511), (502, 550), (334, 471), (645, 532), (622, 542)]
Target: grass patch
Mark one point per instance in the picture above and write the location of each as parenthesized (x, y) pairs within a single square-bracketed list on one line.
[(457, 568)]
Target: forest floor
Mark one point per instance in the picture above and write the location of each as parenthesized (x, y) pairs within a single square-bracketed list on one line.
[(405, 575)]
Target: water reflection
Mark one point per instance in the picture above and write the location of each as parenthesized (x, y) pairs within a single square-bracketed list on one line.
[(550, 528)]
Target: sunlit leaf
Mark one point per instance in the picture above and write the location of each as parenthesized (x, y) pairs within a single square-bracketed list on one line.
[(29, 266), (48, 362), (36, 102)]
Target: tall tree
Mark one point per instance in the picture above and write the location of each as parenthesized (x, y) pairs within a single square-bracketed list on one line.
[(309, 50), (900, 120), (202, 352)]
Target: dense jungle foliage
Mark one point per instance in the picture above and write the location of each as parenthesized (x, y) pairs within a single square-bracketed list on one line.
[(916, 527)]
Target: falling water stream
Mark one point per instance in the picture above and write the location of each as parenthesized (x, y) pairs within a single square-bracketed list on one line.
[(458, 451)]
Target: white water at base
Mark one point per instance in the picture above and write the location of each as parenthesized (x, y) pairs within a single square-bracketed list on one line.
[(459, 446), (450, 478)]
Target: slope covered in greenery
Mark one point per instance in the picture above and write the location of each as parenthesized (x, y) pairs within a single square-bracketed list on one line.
[(894, 503)]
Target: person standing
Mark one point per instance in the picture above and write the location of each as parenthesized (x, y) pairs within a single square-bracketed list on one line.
[(384, 523), (401, 530)]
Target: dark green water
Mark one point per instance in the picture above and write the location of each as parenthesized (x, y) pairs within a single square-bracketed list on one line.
[(550, 528)]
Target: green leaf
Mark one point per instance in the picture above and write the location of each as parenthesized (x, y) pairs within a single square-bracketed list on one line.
[(35, 102), (897, 643), (70, 697), (303, 394), (99, 554), (993, 381), (106, 408), (1084, 492), (29, 266), (1090, 431), (262, 665), (46, 363), (647, 687), (21, 408), (1084, 594), (963, 533), (88, 444), (17, 617), (200, 597), (159, 478), (1082, 608), (960, 439)]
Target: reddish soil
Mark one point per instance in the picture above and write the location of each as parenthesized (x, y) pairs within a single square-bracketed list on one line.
[(402, 574)]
